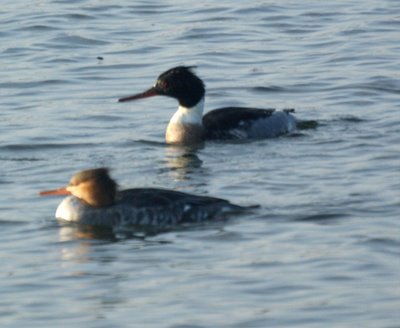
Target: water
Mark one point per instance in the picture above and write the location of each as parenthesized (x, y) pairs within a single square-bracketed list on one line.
[(323, 249)]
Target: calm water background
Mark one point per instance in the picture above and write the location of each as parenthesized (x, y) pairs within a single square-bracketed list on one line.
[(324, 248)]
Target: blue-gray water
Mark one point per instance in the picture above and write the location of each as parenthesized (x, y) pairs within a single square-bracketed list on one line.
[(324, 248)]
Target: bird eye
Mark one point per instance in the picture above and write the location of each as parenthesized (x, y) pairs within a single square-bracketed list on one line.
[(163, 84)]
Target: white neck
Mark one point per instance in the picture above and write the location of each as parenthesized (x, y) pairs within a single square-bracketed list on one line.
[(192, 115)]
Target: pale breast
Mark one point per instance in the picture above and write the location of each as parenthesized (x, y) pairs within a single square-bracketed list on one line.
[(178, 133)]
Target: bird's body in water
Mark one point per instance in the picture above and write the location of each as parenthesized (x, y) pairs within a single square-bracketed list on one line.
[(189, 126), (93, 199)]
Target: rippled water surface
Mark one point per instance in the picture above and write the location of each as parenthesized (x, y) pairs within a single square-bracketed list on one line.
[(323, 250)]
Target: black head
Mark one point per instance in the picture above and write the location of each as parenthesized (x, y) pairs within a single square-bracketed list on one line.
[(180, 83)]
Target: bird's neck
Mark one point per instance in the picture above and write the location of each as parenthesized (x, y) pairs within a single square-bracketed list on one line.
[(186, 125), (189, 115)]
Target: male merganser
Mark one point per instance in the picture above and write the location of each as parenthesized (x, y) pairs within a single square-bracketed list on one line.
[(94, 200), (188, 125)]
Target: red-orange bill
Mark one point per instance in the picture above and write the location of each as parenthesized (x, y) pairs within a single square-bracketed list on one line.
[(55, 192), (148, 93)]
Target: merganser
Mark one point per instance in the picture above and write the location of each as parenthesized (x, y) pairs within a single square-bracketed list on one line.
[(94, 200), (189, 126)]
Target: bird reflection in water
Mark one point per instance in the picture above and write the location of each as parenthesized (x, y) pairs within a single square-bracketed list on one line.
[(182, 161)]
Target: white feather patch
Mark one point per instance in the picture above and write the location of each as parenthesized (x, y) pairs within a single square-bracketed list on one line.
[(193, 115)]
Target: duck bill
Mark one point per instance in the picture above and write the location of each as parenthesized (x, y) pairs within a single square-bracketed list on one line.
[(148, 93), (55, 192)]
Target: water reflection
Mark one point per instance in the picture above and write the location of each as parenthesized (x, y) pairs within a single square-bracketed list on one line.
[(86, 238), (69, 232), (182, 161), (104, 234), (89, 265)]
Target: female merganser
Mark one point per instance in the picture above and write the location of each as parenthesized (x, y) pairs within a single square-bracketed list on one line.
[(188, 125), (94, 200)]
